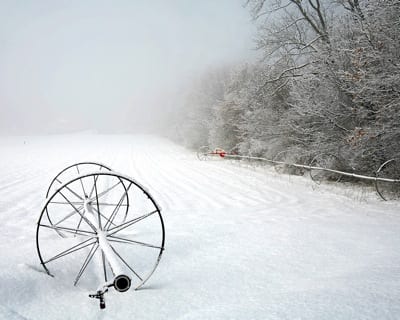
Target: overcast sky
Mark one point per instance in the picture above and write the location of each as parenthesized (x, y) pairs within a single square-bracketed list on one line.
[(95, 64)]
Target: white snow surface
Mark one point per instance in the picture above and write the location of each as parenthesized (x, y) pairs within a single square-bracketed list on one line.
[(241, 243)]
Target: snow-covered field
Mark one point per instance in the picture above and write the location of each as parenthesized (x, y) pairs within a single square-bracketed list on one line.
[(240, 243)]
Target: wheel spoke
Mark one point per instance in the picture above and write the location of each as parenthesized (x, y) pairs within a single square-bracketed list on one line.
[(112, 204), (86, 262), (70, 190), (110, 220), (129, 241), (116, 209), (69, 230), (83, 217), (68, 216), (130, 222), (79, 222), (74, 248), (130, 268), (97, 202), (106, 191), (83, 188), (61, 202), (92, 190), (102, 215)]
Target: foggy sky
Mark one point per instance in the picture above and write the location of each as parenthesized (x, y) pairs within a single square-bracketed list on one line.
[(106, 65)]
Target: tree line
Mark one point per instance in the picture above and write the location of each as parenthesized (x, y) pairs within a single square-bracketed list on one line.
[(328, 83)]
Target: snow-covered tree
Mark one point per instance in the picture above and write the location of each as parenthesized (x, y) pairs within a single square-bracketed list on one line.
[(328, 83), (196, 116)]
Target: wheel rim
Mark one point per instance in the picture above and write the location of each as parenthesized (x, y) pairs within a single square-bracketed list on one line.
[(203, 153), (324, 160), (388, 190), (280, 157), (137, 237)]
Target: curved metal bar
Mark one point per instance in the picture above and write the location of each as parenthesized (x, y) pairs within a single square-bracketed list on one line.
[(380, 192), (203, 153), (316, 160)]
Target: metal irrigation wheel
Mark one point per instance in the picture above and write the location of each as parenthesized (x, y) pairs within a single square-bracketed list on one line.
[(203, 153), (70, 229), (280, 157), (327, 161), (388, 190), (81, 192)]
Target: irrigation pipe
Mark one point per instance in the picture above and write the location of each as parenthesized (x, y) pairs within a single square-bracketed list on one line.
[(308, 167)]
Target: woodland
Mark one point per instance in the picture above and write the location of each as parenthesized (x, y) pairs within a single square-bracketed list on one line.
[(327, 82)]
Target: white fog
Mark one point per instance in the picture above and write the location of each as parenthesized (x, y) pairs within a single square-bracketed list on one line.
[(108, 66)]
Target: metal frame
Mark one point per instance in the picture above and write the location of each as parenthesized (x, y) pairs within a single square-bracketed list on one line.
[(98, 229)]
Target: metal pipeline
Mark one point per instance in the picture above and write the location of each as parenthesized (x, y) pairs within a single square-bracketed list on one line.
[(121, 281)]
